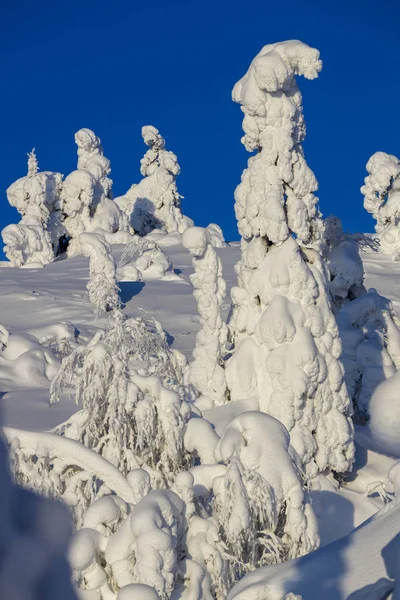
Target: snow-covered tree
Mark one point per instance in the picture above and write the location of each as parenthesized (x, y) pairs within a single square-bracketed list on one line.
[(151, 262), (260, 504), (128, 414), (154, 203), (91, 158), (287, 346), (344, 263), (381, 193), (370, 332), (102, 286), (36, 197), (206, 372), (86, 196)]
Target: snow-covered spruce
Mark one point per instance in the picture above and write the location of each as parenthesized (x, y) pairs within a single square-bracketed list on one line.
[(344, 263), (154, 203), (102, 286), (34, 536), (206, 372), (382, 199), (86, 196), (259, 502), (286, 339), (36, 197), (370, 332)]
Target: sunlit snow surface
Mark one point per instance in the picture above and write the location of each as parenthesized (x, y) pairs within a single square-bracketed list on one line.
[(35, 302)]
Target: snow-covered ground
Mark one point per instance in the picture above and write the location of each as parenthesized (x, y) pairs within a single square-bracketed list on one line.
[(35, 301)]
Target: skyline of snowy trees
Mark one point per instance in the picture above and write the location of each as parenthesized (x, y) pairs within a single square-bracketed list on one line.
[(183, 476)]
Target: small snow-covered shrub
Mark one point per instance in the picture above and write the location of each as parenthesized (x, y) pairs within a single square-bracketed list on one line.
[(27, 243), (260, 504), (287, 346), (151, 262), (102, 286), (343, 261), (154, 203), (370, 332), (382, 199), (206, 372), (25, 362), (129, 550)]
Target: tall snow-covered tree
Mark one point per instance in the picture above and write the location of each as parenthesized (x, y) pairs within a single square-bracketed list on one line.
[(154, 203), (287, 346), (102, 286), (381, 193), (206, 371), (86, 196)]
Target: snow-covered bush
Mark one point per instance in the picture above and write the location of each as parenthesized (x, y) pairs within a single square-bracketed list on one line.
[(151, 262), (36, 197), (129, 548), (344, 263), (27, 243), (131, 419), (102, 287), (370, 332), (91, 158), (260, 504), (287, 346), (154, 203), (382, 199), (60, 468), (206, 372), (34, 535)]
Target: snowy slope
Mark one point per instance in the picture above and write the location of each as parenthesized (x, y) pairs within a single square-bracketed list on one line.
[(35, 301), (31, 300)]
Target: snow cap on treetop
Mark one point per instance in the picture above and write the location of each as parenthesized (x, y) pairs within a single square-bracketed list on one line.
[(152, 137), (86, 139), (273, 69), (196, 239)]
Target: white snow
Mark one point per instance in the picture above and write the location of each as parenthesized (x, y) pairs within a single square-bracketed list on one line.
[(206, 450)]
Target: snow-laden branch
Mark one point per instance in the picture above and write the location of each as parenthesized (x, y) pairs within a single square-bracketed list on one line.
[(62, 468)]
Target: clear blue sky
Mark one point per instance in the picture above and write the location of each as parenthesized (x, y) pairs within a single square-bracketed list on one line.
[(116, 65)]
